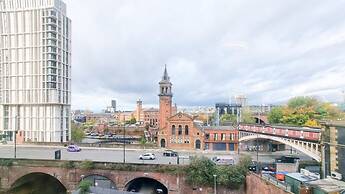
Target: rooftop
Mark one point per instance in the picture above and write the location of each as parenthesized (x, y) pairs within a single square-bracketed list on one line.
[(301, 177), (328, 185)]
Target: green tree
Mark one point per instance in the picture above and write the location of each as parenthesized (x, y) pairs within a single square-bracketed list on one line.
[(247, 116), (276, 115), (200, 171), (302, 101), (77, 133), (131, 121), (143, 141), (84, 186), (228, 117)]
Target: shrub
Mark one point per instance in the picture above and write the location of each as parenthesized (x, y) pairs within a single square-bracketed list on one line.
[(87, 164), (84, 186), (6, 162), (68, 164)]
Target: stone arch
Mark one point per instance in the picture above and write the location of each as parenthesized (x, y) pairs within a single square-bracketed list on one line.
[(197, 144), (163, 143), (100, 181), (39, 180), (139, 183)]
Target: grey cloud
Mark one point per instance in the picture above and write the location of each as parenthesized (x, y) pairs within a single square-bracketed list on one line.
[(269, 50)]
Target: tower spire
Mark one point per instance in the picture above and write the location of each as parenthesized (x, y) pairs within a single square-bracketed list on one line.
[(165, 75)]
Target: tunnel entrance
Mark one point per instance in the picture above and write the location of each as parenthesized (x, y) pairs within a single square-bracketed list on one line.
[(100, 181), (146, 185), (37, 183)]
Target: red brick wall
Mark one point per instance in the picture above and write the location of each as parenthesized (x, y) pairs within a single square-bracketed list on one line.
[(256, 185)]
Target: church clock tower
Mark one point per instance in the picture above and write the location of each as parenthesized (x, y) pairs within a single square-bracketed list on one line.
[(165, 99)]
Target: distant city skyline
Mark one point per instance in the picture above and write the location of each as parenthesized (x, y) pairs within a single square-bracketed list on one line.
[(269, 51)]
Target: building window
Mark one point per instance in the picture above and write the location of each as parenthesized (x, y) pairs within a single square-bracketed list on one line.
[(179, 130), (173, 130), (207, 136), (186, 130), (215, 136), (232, 136), (222, 136)]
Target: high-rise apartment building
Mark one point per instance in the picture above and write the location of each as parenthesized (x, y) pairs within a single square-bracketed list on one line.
[(35, 70)]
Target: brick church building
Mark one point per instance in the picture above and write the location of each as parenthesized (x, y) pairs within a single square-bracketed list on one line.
[(180, 131)]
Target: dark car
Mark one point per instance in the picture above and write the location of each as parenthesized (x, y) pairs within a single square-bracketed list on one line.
[(252, 168), (287, 159), (170, 153)]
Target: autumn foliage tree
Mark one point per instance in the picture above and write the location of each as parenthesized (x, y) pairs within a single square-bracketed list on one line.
[(304, 111)]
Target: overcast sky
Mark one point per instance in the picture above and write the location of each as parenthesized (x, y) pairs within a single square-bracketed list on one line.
[(268, 50)]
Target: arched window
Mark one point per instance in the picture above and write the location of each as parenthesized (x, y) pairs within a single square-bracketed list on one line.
[(173, 130), (179, 130), (197, 144), (186, 130)]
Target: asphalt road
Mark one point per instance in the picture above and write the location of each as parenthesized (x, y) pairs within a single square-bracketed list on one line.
[(116, 154)]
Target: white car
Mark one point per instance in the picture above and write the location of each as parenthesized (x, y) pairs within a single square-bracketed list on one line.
[(147, 156)]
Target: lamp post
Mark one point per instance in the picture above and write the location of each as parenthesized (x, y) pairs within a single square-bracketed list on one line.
[(15, 136), (215, 183), (124, 141)]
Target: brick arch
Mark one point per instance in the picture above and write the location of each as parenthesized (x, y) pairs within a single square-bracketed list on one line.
[(127, 184), (57, 174), (107, 176), (16, 180)]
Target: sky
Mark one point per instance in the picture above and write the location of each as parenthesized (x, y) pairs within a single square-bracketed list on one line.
[(268, 50)]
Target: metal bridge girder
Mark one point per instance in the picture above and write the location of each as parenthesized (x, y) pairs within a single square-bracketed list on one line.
[(309, 148)]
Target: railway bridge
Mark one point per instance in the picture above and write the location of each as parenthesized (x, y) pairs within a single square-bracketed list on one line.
[(303, 139), (124, 177)]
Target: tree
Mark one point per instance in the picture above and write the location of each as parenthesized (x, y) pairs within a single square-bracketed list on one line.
[(247, 116), (200, 171), (228, 117), (302, 101), (77, 133), (304, 111), (143, 141), (276, 115), (131, 121)]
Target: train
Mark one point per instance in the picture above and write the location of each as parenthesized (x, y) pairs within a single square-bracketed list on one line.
[(300, 133)]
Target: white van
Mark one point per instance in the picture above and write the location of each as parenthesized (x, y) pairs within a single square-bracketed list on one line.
[(223, 160)]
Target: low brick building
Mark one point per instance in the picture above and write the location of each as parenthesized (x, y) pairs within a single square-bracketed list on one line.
[(220, 138)]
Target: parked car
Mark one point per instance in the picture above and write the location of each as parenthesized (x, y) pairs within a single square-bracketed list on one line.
[(170, 153), (73, 148), (147, 156), (287, 159)]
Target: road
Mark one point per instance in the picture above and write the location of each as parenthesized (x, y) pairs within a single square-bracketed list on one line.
[(116, 154)]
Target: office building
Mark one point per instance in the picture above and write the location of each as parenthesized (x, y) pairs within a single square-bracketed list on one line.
[(35, 70)]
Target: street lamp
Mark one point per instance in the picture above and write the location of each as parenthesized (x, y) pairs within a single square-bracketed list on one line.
[(15, 136), (215, 183), (124, 142)]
